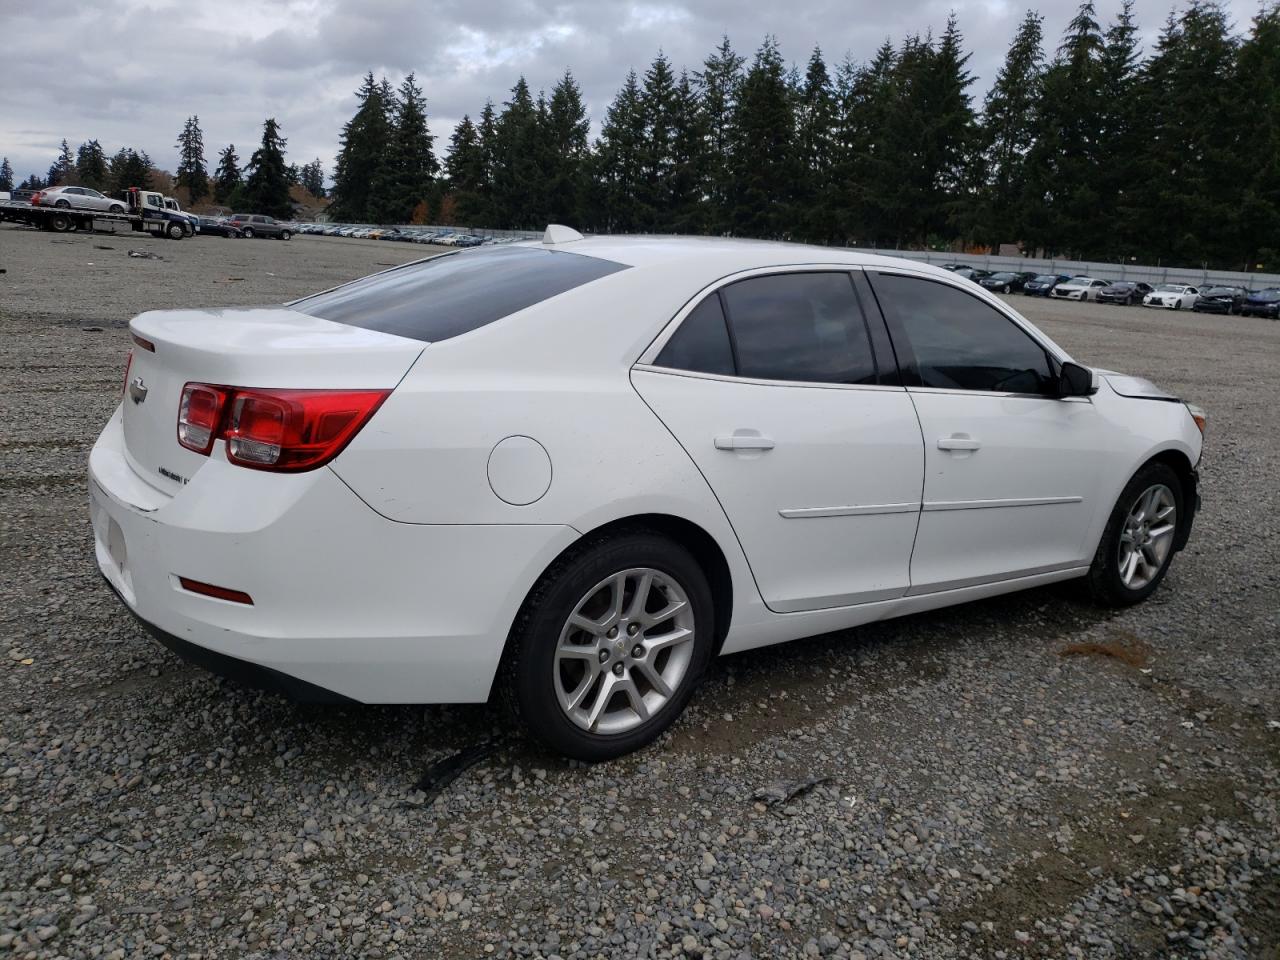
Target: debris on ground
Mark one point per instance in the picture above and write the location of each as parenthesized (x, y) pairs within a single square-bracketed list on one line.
[(783, 792), (443, 772), (145, 255)]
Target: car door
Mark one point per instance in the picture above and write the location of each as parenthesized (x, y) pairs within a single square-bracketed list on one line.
[(777, 390), (1011, 471)]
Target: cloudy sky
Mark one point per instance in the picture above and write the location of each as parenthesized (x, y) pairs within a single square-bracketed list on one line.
[(129, 72)]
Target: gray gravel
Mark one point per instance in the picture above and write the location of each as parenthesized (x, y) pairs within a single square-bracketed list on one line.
[(1026, 776)]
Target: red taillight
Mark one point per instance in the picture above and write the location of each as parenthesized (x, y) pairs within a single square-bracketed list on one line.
[(36, 198), (286, 430), (128, 365), (199, 416)]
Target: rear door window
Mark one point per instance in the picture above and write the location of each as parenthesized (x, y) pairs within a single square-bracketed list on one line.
[(455, 293)]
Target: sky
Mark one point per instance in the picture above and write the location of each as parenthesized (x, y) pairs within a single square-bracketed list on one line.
[(130, 72)]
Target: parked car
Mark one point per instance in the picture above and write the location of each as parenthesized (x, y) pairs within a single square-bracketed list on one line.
[(1171, 296), (256, 225), (1220, 300), (971, 273), (391, 554), (1078, 288), (79, 198), (1006, 281), (218, 227), (1262, 303), (1042, 284), (1127, 292)]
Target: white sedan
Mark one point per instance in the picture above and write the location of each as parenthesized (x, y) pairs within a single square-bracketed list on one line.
[(1172, 296), (1079, 288), (581, 468)]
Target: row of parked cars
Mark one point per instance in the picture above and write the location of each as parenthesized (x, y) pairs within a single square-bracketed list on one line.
[(445, 238), (1167, 296)]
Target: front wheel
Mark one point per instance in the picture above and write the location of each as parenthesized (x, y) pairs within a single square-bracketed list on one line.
[(175, 231), (285, 235), (62, 203), (610, 645), (1137, 544), (115, 208), (247, 232)]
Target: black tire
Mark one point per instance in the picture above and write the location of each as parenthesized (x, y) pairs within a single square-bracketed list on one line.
[(175, 231), (1005, 289), (116, 208), (285, 235), (60, 223), (528, 673), (1105, 582), (247, 232), (61, 203)]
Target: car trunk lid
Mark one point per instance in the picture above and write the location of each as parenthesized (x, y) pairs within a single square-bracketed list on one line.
[(267, 347)]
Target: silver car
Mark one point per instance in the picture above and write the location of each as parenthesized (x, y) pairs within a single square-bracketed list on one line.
[(82, 197)]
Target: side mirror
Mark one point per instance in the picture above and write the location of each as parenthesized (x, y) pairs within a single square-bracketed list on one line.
[(1076, 381)]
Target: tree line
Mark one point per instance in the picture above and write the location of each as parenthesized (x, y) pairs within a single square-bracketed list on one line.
[(1094, 149), (262, 185)]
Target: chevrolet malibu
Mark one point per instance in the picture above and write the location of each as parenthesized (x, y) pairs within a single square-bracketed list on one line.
[(574, 471)]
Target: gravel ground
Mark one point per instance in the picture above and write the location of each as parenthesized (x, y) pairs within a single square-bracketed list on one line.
[(1025, 776)]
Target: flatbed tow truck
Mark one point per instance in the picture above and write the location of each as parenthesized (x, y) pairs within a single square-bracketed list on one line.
[(146, 213)]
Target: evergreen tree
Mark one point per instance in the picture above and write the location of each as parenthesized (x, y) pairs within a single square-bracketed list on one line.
[(129, 168), (566, 131), (91, 166), (517, 184), (411, 166), (1006, 135), (466, 171), (762, 161), (312, 178), (226, 179), (718, 81), (63, 170), (192, 174), (620, 154), (6, 174), (864, 176), (1122, 140), (657, 160), (816, 203), (688, 185), (33, 182), (363, 153), (266, 188), (1257, 84)]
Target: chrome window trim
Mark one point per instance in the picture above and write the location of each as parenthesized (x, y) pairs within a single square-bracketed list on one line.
[(753, 381)]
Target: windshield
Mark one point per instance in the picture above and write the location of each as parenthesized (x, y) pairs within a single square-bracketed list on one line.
[(455, 293), (1003, 276), (1220, 292), (1123, 285), (1045, 278), (1170, 288), (1269, 294)]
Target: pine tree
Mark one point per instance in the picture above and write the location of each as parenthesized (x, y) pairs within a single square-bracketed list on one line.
[(63, 169), (517, 184), (863, 174), (312, 178), (762, 160), (411, 166), (657, 160), (566, 132), (226, 179), (91, 166), (192, 176), (1007, 133), (815, 142), (719, 81), (688, 185), (620, 153), (1258, 91), (6, 174), (363, 153), (129, 168), (266, 188), (465, 169), (1122, 140)]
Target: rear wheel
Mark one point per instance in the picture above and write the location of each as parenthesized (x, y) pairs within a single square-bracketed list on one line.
[(60, 222), (1005, 289), (1137, 545), (116, 208), (610, 646)]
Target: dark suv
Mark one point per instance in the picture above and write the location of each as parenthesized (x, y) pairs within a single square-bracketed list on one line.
[(256, 225), (1127, 292)]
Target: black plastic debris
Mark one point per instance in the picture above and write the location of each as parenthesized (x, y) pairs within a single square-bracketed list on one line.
[(783, 792), (443, 772)]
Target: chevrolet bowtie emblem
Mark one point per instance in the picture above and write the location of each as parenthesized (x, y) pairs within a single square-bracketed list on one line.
[(137, 390)]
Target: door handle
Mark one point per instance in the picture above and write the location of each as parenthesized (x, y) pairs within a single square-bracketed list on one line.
[(959, 441), (744, 442)]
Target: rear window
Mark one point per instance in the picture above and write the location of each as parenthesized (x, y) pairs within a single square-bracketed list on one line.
[(455, 293)]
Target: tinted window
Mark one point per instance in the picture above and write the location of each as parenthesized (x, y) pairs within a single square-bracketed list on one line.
[(958, 341), (457, 292), (702, 342), (799, 326)]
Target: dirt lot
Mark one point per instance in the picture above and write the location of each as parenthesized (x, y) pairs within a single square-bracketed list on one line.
[(1023, 776)]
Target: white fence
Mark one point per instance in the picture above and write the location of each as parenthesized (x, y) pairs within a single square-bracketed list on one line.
[(1103, 271)]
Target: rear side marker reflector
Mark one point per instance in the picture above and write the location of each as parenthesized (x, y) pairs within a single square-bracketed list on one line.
[(280, 430), (142, 342), (219, 593)]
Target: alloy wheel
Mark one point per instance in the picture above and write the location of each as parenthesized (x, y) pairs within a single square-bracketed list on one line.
[(624, 651), (1147, 536)]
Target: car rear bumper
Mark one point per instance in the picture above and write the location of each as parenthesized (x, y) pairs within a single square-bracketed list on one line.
[(345, 603)]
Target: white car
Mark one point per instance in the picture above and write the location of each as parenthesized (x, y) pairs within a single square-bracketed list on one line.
[(1172, 296), (579, 469), (79, 198), (1079, 288)]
